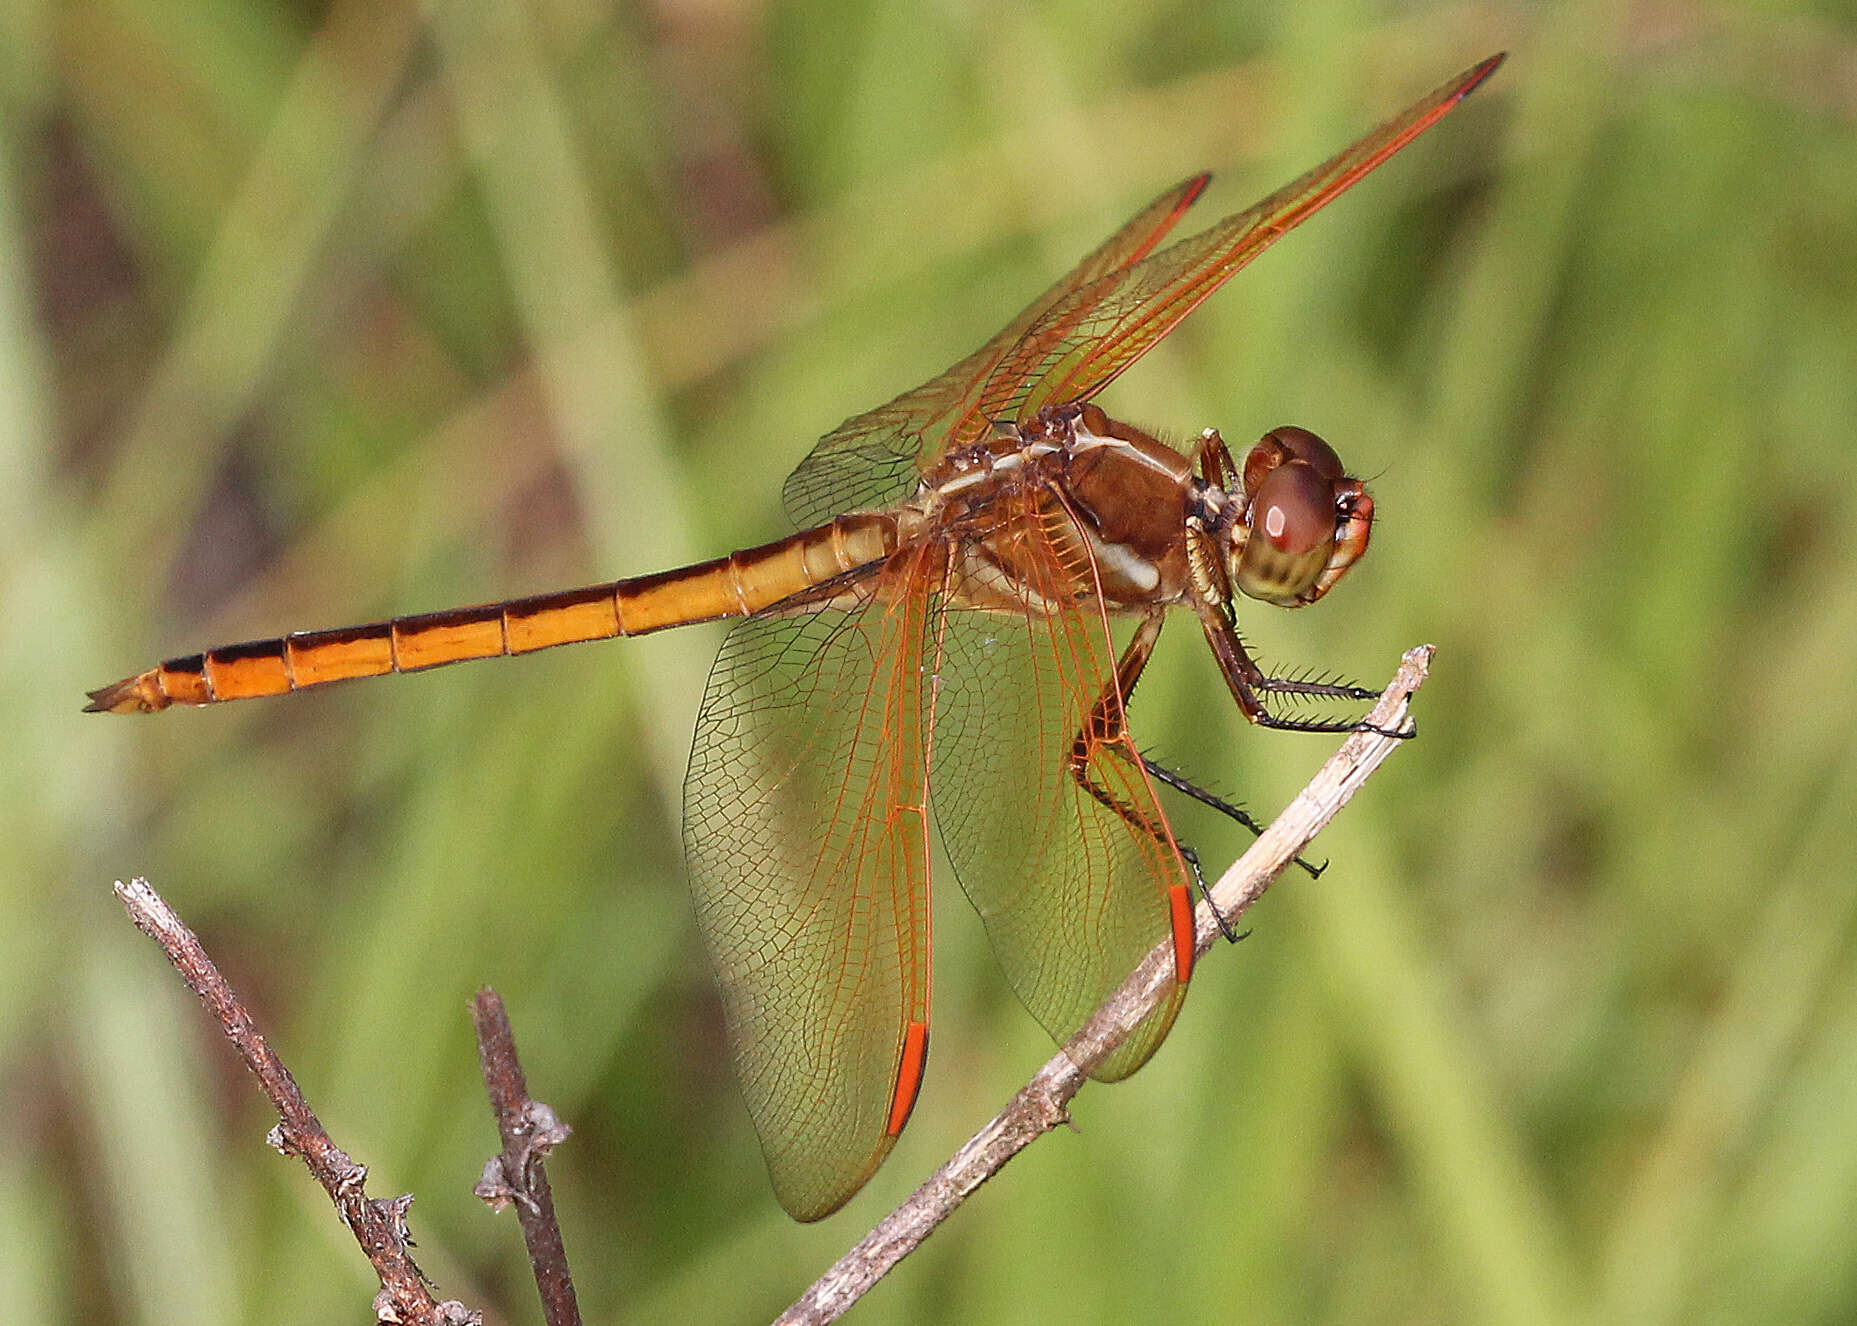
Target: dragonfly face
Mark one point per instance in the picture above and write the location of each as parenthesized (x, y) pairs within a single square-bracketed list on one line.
[(1303, 521), (938, 635)]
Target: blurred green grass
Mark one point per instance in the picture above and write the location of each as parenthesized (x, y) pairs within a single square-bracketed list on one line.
[(316, 314)]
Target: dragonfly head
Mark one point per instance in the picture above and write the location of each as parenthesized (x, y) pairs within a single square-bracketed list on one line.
[(1302, 523)]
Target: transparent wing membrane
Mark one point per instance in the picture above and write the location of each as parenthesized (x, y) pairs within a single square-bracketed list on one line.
[(806, 832), (1073, 885), (1081, 342), (876, 457)]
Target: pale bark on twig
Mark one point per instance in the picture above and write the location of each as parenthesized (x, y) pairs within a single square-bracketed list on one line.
[(378, 1224), (1041, 1104), (529, 1130)]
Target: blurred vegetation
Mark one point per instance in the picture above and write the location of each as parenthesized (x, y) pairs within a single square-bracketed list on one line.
[(312, 314)]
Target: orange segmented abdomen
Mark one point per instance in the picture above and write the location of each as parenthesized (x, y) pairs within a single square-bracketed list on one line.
[(744, 582)]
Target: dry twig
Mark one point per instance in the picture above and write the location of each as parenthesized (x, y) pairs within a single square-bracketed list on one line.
[(529, 1130), (378, 1224)]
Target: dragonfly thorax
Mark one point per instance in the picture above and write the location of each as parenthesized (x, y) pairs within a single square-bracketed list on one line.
[(1068, 508)]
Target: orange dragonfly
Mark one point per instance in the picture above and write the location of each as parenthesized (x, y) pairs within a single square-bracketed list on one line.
[(940, 632)]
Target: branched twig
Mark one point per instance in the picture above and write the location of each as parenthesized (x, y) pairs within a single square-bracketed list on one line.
[(1041, 1104), (379, 1225), (529, 1130)]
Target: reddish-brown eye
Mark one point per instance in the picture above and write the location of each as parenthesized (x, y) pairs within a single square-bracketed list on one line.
[(1292, 535), (1295, 508), (1306, 446)]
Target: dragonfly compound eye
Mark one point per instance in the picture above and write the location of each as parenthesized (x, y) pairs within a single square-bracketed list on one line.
[(1292, 528), (1303, 445)]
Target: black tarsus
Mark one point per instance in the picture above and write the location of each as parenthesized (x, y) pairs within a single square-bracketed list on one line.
[(1187, 787)]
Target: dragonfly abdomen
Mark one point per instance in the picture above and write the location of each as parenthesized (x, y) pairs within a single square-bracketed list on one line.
[(744, 582)]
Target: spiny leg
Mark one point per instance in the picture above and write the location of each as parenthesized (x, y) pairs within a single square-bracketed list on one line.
[(1329, 691), (1213, 461), (1247, 681), (1187, 787)]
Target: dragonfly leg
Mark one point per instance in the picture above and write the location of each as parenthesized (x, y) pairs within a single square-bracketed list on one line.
[(1106, 726), (1213, 459), (1199, 878), (1248, 682), (1186, 787)]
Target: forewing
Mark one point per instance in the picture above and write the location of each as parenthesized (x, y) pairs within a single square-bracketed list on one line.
[(1081, 342), (805, 832), (874, 458), (1074, 893)]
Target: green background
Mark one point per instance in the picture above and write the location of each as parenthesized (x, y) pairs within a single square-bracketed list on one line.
[(310, 316)]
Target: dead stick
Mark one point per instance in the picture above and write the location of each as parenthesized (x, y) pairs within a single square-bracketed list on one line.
[(1042, 1104), (379, 1225), (529, 1130)]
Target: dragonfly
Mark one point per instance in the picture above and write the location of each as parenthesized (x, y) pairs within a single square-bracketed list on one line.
[(942, 633)]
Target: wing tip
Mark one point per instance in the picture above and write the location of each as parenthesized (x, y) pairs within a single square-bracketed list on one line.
[(1475, 76)]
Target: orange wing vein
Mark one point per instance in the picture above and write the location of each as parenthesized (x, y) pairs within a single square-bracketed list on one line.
[(1085, 340), (875, 457), (1072, 893), (806, 831)]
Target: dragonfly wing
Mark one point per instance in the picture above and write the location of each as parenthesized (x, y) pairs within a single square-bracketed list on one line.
[(805, 830), (1081, 342), (874, 458), (1073, 893)]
